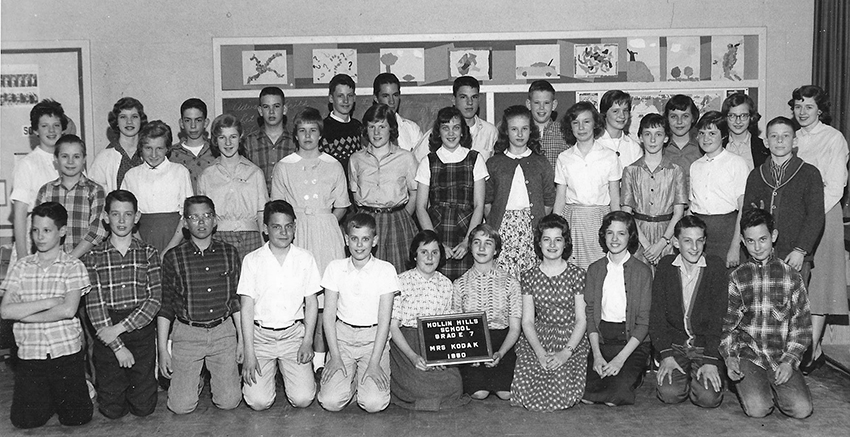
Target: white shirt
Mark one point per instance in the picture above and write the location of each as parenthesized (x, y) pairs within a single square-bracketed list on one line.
[(743, 150), (479, 169), (279, 290), (717, 183), (30, 174), (825, 148), (104, 169), (587, 177), (484, 136), (614, 291), (626, 149), (160, 189), (689, 281), (360, 290), (409, 133), (518, 196)]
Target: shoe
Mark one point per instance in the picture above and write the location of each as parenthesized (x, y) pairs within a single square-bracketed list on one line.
[(815, 364)]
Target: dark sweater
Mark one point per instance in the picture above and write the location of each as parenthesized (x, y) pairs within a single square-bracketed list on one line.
[(667, 324), (341, 140), (638, 278), (539, 183)]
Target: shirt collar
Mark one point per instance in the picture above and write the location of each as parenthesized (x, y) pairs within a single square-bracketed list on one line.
[(818, 126), (458, 152), (525, 154), (665, 162), (621, 263), (366, 267), (680, 262), (391, 147), (332, 115), (744, 142)]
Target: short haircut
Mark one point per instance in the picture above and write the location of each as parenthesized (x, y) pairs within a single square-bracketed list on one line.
[(361, 220), (716, 119), (155, 129), (121, 196), (379, 112), (341, 79), (490, 232), (622, 217), (69, 139), (307, 115), (52, 210), (197, 200), (47, 107), (541, 85), (820, 97), (271, 91), (783, 120), (681, 102), (553, 221), (444, 116), (126, 103), (503, 141), (754, 217), (465, 81), (277, 207), (612, 97), (738, 99), (653, 120), (425, 237), (690, 221), (221, 122), (384, 79), (194, 103), (572, 114)]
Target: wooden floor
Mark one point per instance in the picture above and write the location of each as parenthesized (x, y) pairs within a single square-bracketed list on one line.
[(491, 417)]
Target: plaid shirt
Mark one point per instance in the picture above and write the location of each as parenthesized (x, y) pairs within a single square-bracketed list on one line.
[(195, 164), (552, 142), (28, 282), (768, 320), (261, 151), (200, 285), (84, 202), (122, 283)]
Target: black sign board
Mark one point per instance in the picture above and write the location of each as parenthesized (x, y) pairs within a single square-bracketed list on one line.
[(455, 339)]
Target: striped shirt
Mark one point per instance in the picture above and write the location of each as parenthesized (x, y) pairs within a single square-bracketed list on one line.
[(200, 285), (421, 297), (84, 203), (28, 282), (122, 283), (496, 292)]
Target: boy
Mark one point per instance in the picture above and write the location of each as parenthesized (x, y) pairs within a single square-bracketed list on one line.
[(767, 326), (125, 298), (718, 180), (199, 279), (193, 151), (792, 191), (686, 317), (41, 293), (47, 121), (542, 103), (465, 92), (341, 136), (267, 145), (278, 287), (81, 197), (387, 90), (358, 305), (682, 115)]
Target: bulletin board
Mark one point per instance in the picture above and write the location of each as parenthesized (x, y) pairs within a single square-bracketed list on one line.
[(652, 65), (30, 72)]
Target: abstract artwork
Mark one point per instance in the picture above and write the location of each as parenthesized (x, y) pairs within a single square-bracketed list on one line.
[(595, 60), (407, 64), (589, 96), (683, 58), (264, 67), (470, 62), (327, 63), (538, 61), (727, 58)]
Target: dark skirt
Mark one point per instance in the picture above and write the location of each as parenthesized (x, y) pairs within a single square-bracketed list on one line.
[(720, 229), (158, 229), (414, 389), (620, 388), (492, 379)]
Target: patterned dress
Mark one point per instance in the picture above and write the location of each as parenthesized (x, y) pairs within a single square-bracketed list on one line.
[(450, 200), (536, 388)]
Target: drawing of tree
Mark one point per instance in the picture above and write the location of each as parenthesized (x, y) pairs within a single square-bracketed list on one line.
[(689, 71), (676, 72), (389, 59)]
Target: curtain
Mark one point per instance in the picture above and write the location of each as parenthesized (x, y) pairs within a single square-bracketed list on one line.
[(831, 58)]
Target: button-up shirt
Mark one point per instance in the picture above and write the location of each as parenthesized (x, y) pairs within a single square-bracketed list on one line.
[(382, 182), (421, 296), (260, 149), (409, 133), (717, 183), (196, 164), (84, 203), (614, 291), (31, 173), (825, 148), (690, 279), (360, 290), (626, 149), (742, 149), (159, 189), (587, 176), (653, 192), (496, 292), (238, 196)]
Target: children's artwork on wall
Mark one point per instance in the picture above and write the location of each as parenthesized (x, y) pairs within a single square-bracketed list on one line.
[(729, 92), (683, 54), (589, 96), (19, 85), (327, 63), (595, 60), (407, 64), (538, 61), (644, 64), (470, 62), (264, 67), (652, 102), (727, 57)]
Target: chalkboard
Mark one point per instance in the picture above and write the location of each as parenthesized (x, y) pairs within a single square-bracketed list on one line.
[(455, 339)]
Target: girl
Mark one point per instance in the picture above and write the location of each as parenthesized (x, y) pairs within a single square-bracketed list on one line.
[(126, 121), (588, 181), (742, 119), (617, 320), (485, 287), (382, 180), (424, 292), (824, 147), (450, 197), (615, 107), (236, 186), (653, 191), (552, 353), (521, 189)]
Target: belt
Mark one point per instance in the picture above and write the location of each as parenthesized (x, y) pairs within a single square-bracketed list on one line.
[(257, 324), (651, 218), (359, 326), (207, 325), (383, 210)]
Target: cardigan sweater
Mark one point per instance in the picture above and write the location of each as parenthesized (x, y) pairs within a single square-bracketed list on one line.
[(795, 202), (759, 151), (539, 182), (667, 324), (638, 278)]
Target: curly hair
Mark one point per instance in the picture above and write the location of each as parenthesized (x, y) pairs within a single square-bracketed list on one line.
[(503, 142), (572, 114)]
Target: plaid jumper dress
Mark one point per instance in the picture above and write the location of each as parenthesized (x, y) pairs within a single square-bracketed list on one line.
[(450, 206)]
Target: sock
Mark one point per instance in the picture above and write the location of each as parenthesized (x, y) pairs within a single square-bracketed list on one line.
[(318, 360)]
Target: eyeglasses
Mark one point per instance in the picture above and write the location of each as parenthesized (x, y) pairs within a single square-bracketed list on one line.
[(738, 117), (207, 216)]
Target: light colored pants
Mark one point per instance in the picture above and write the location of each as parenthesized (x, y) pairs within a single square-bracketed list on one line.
[(355, 349), (280, 347), (191, 349)]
